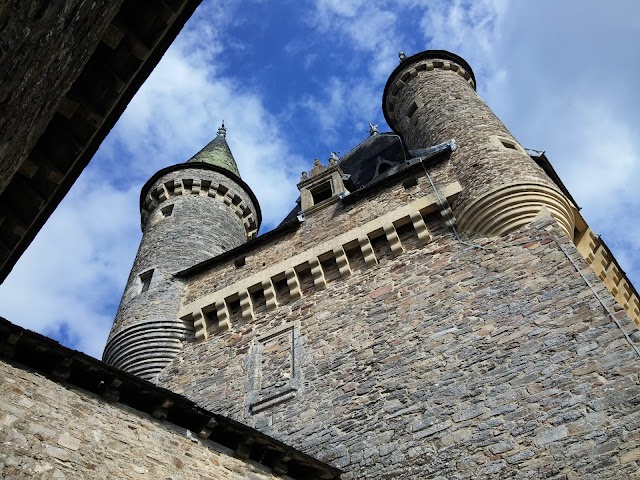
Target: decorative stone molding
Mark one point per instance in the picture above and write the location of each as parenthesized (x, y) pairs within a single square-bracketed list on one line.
[(420, 227), (146, 348), (342, 262), (393, 239), (385, 225), (293, 284), (367, 249), (204, 188), (274, 380), (510, 207)]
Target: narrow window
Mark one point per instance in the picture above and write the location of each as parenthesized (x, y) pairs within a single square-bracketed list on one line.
[(167, 211), (413, 108), (321, 192), (508, 144), (145, 280)]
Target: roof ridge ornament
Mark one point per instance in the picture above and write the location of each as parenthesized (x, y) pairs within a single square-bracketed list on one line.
[(373, 129), (401, 56), (222, 130)]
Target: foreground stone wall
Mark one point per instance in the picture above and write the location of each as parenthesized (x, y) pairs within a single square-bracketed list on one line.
[(443, 361), (49, 431), (43, 48)]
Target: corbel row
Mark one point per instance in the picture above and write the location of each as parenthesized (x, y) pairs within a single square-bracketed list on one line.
[(211, 312), (422, 67), (215, 316), (204, 188)]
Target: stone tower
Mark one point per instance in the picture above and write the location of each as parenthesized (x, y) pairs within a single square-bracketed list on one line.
[(430, 98), (190, 212)]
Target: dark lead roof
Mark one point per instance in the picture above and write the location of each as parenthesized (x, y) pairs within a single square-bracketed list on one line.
[(373, 159)]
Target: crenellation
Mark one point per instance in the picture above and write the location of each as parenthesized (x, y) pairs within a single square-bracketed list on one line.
[(327, 266)]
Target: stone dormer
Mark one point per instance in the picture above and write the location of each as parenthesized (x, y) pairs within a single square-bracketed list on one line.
[(322, 186)]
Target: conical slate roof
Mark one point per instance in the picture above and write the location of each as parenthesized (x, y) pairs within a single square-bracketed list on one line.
[(217, 153)]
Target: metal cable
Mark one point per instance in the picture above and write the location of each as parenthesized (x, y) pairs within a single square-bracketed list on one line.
[(607, 309)]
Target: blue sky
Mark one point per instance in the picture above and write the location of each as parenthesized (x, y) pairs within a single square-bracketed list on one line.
[(296, 79)]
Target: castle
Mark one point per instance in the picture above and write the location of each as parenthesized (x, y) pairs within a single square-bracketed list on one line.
[(434, 306)]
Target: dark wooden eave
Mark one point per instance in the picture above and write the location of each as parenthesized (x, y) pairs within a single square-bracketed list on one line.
[(130, 47)]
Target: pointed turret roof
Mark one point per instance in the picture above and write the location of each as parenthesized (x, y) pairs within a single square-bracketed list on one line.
[(217, 153)]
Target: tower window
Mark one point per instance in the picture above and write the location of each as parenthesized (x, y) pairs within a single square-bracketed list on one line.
[(413, 108), (321, 192), (145, 280), (508, 144), (167, 211)]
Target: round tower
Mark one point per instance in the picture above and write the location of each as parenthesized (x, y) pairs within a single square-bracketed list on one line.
[(431, 98), (190, 212)]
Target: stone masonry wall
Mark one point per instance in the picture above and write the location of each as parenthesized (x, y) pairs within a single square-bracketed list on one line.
[(445, 361), (49, 431), (43, 47)]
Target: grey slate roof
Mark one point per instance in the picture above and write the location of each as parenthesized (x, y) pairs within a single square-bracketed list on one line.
[(217, 153)]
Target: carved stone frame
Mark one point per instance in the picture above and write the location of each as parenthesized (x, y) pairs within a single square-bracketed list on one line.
[(258, 400)]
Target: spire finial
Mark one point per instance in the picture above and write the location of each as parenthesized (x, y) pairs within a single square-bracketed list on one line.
[(401, 56), (222, 131), (373, 129)]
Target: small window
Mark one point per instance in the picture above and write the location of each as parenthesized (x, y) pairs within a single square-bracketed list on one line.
[(167, 211), (412, 109), (145, 280), (321, 192), (508, 144)]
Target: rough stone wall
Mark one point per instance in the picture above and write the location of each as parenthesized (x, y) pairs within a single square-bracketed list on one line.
[(446, 361), (43, 47), (146, 332), (448, 107), (49, 431)]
